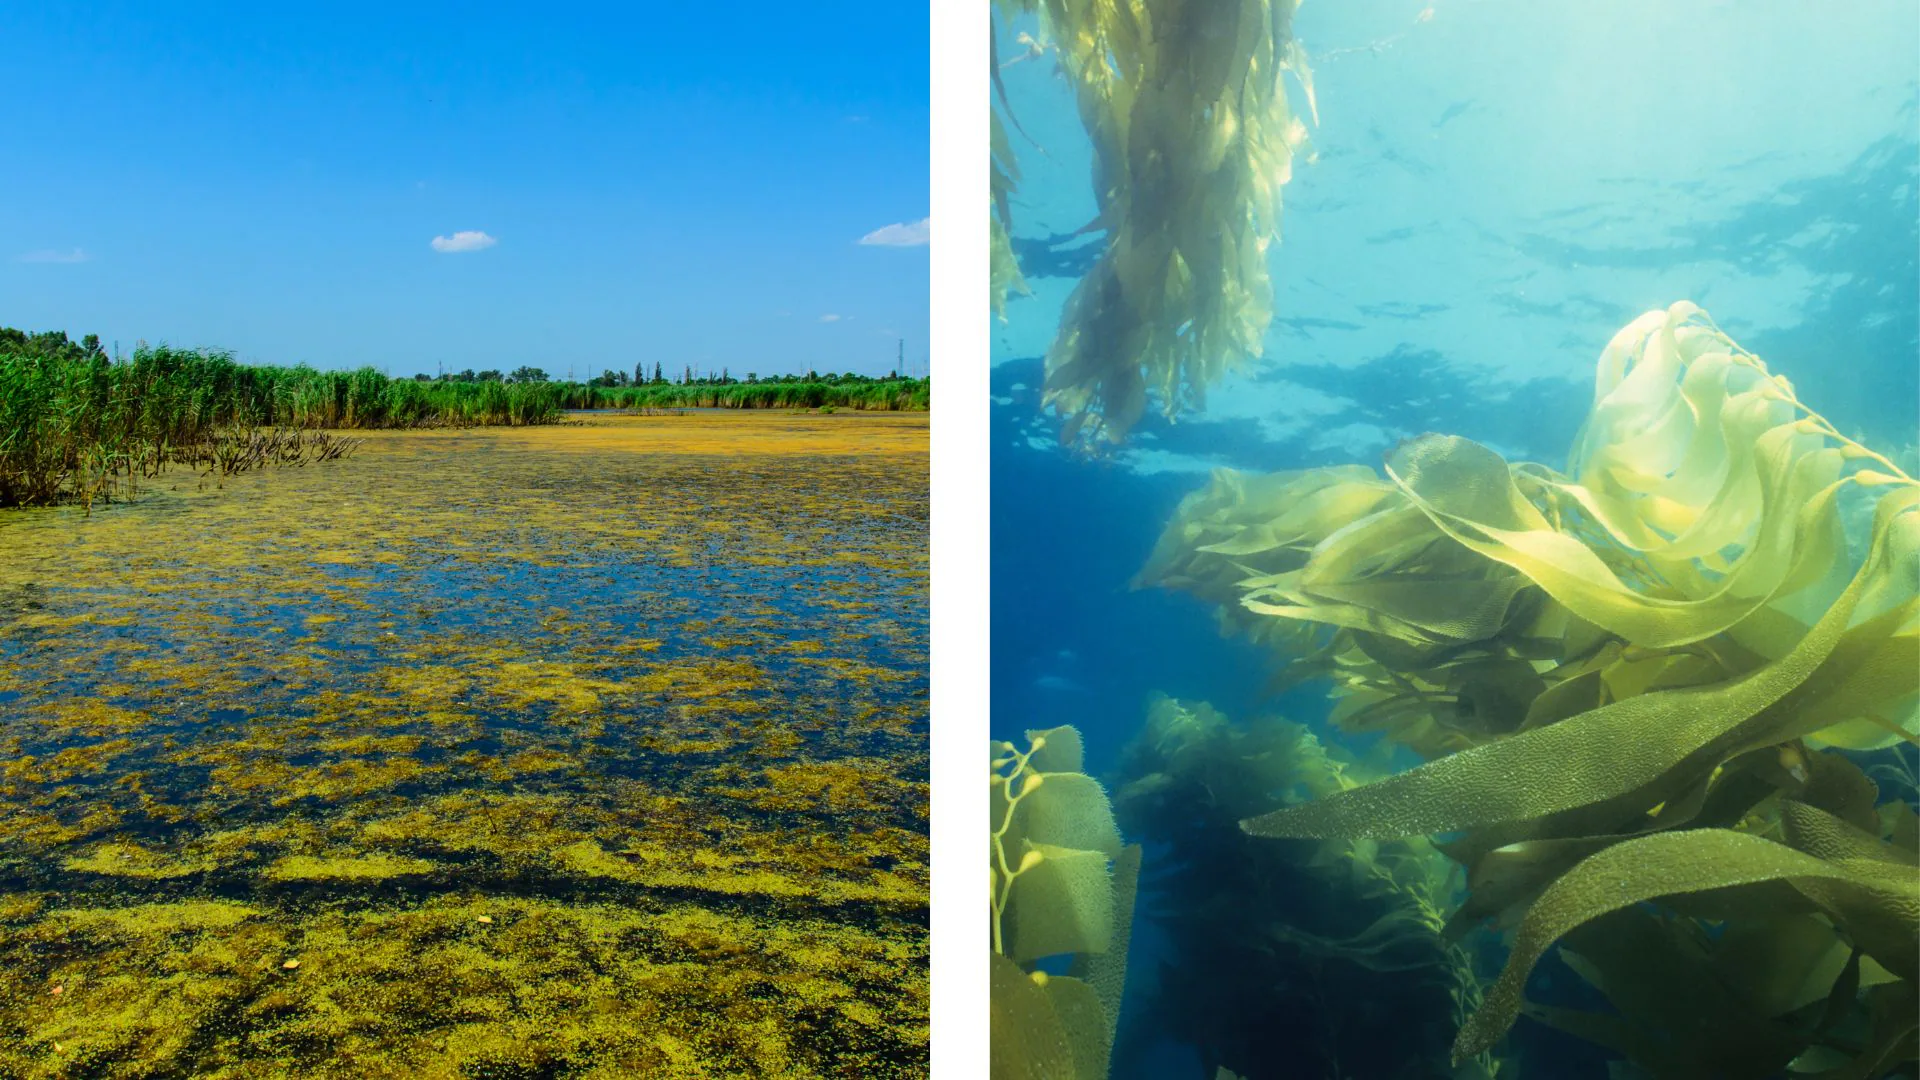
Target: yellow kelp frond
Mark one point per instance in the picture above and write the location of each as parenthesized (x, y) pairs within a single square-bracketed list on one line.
[(1007, 279), (1192, 139), (1622, 678), (1339, 571), (1652, 744), (1055, 893), (1005, 177), (1699, 540), (1242, 527)]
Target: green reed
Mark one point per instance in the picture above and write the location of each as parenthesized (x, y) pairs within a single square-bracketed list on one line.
[(76, 425)]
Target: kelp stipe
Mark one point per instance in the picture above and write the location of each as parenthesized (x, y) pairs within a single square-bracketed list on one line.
[(1055, 894), (1327, 958), (1193, 139), (1624, 677)]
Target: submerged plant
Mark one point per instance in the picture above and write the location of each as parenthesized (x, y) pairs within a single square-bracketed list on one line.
[(1634, 681), (1063, 886), (1193, 139), (1323, 958)]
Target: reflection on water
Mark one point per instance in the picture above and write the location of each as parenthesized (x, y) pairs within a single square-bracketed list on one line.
[(526, 752)]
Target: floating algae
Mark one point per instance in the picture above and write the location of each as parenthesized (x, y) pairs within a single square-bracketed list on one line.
[(337, 716), (1635, 682), (1193, 140)]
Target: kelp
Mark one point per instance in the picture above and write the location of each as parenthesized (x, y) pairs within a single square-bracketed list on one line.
[(1063, 885), (1006, 277), (1193, 139), (1309, 959), (1632, 679)]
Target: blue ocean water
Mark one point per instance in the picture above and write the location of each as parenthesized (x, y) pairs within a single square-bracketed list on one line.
[(1497, 187)]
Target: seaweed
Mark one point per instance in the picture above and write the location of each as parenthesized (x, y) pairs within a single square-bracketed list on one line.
[(1327, 958), (1063, 885), (1193, 140), (1639, 681)]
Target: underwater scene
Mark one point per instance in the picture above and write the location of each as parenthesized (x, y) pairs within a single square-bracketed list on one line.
[(1456, 545), (586, 749)]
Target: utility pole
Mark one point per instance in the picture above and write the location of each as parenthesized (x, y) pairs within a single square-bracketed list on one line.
[(900, 363)]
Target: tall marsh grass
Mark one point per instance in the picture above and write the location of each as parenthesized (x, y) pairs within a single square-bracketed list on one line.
[(76, 425)]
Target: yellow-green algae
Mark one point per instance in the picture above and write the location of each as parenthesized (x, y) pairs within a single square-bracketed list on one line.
[(1193, 139), (647, 694), (1633, 681)]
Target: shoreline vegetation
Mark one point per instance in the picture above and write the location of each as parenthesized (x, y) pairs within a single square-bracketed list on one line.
[(77, 425)]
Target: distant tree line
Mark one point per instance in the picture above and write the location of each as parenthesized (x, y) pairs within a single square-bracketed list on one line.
[(610, 378)]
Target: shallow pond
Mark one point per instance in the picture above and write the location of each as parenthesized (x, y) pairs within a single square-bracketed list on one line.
[(586, 750)]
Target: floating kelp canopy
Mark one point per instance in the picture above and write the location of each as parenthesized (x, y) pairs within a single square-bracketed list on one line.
[(1192, 139), (1063, 886), (1633, 682)]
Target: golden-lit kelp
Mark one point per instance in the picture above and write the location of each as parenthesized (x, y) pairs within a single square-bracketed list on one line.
[(1193, 139), (1006, 277), (1626, 677), (1063, 885), (1323, 958), (540, 751)]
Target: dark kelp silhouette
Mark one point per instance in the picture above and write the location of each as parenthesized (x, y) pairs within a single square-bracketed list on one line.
[(1307, 958)]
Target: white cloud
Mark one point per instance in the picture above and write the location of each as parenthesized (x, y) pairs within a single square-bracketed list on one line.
[(830, 318), (49, 256), (909, 234), (467, 240)]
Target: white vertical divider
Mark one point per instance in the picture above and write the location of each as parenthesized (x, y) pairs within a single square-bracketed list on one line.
[(959, 317)]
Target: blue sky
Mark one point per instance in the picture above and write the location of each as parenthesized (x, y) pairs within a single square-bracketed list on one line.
[(648, 182)]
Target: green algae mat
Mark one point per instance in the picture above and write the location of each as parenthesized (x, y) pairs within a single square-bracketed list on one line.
[(582, 751)]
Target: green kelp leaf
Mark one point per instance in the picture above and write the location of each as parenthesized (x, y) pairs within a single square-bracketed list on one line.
[(1068, 810), (1062, 903), (1106, 971), (1056, 750), (1781, 964), (1837, 785), (1680, 1018), (1088, 1027), (1896, 1024), (1612, 751), (1028, 1041), (1666, 864)]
